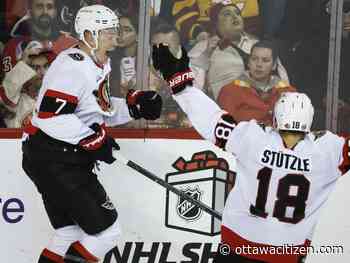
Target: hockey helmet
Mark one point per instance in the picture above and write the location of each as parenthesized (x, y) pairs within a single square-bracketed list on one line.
[(293, 112), (94, 18)]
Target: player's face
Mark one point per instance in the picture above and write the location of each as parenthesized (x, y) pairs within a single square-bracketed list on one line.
[(260, 64), (108, 39), (128, 34), (40, 64), (230, 22), (43, 12)]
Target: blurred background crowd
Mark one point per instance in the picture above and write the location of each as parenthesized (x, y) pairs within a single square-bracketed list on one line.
[(244, 53)]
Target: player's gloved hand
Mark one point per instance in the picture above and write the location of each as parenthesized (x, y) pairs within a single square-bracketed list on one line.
[(144, 104), (175, 71), (99, 144)]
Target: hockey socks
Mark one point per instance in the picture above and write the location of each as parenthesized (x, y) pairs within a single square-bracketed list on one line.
[(78, 253), (48, 256)]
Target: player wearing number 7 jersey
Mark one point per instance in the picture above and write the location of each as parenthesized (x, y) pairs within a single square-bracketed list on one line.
[(67, 136), (285, 173)]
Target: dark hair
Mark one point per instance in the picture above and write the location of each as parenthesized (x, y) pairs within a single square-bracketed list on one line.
[(267, 44), (134, 20), (160, 25)]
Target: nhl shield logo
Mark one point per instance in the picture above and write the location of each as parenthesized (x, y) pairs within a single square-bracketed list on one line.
[(185, 209)]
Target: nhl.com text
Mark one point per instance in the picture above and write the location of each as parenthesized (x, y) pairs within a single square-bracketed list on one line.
[(285, 249)]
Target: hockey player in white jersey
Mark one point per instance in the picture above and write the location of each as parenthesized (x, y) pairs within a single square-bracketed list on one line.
[(285, 173), (67, 136)]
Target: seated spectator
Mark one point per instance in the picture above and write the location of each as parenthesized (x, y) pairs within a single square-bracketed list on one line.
[(254, 93), (21, 84), (227, 60)]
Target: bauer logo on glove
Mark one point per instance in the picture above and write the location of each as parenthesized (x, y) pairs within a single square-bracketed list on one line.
[(175, 71)]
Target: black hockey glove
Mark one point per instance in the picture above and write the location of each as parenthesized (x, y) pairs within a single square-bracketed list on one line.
[(99, 144), (144, 104), (175, 71)]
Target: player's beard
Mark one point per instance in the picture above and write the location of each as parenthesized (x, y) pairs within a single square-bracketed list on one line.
[(44, 22)]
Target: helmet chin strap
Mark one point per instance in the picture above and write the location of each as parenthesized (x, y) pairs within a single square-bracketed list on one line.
[(92, 49)]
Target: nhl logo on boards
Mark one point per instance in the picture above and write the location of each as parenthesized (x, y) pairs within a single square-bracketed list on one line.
[(206, 178), (185, 209)]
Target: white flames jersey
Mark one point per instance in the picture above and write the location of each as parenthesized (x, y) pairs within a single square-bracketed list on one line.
[(278, 192), (74, 95)]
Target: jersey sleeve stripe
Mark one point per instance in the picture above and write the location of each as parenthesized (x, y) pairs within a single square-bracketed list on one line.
[(45, 115), (56, 103), (61, 95)]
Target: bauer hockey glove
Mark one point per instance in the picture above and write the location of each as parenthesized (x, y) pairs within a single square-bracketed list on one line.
[(144, 104), (99, 144), (175, 71)]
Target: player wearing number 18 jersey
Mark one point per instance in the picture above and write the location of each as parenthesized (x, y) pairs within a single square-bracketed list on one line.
[(285, 173)]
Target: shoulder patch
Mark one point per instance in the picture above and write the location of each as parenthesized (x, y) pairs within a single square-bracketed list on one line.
[(318, 134), (76, 56)]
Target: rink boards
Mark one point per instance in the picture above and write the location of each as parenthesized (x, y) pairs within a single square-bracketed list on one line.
[(157, 226)]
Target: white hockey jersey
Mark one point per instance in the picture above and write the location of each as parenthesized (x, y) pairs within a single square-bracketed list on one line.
[(278, 192), (74, 95)]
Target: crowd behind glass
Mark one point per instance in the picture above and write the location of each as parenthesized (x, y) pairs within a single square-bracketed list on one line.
[(243, 53)]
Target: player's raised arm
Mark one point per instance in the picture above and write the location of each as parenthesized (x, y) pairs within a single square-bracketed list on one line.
[(206, 116)]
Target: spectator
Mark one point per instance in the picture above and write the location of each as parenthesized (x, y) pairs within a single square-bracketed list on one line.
[(254, 93), (227, 60), (21, 85), (40, 23), (192, 18), (164, 32), (127, 43)]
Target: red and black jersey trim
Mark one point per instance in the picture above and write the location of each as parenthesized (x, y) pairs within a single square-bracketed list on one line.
[(57, 103), (344, 167)]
